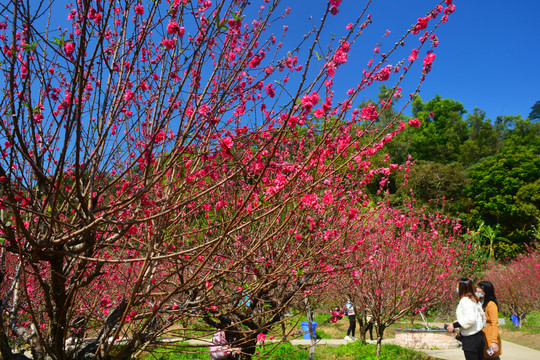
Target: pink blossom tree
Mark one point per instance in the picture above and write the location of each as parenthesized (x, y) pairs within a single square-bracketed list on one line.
[(514, 282), (162, 161), (402, 261)]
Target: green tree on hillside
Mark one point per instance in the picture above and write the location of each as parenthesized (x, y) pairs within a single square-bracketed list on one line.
[(518, 134), (483, 140), (438, 185), (502, 191), (535, 111), (528, 200), (443, 130)]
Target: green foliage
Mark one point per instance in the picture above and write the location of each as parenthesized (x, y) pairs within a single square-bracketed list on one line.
[(535, 111), (443, 130), (528, 199), (495, 185), (531, 323), (481, 171), (357, 350), (483, 139), (60, 41), (434, 183), (519, 135), (285, 351), (172, 353), (475, 256), (31, 47)]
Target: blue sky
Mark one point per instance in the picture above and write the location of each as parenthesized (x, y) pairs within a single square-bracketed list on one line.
[(488, 56)]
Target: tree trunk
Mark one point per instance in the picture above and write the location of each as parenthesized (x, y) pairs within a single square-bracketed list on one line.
[(380, 332), (248, 349), (58, 294), (363, 325), (312, 337)]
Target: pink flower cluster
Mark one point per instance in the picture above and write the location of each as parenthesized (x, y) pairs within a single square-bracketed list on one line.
[(428, 61), (369, 112), (414, 122), (334, 5), (173, 28)]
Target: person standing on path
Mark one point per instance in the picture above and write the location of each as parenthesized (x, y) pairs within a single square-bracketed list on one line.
[(493, 347), (349, 311), (471, 320)]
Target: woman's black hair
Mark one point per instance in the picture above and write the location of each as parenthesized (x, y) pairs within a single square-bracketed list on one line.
[(465, 288), (489, 293), (226, 326)]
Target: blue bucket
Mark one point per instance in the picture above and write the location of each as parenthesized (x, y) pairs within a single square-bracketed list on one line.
[(514, 319), (305, 330)]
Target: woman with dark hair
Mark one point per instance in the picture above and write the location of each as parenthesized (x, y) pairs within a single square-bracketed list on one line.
[(486, 292), (471, 320)]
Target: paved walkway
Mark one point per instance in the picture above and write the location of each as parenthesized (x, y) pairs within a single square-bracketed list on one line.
[(511, 351)]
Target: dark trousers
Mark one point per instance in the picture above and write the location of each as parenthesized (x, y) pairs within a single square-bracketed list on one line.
[(473, 346), (352, 325), (370, 329)]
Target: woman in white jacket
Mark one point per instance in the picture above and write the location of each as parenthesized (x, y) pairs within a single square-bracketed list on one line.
[(471, 320)]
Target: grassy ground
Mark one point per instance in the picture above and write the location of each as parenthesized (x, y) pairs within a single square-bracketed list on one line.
[(528, 335), (286, 351)]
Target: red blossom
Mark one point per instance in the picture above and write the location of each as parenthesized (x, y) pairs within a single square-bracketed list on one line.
[(255, 61), (139, 9), (142, 187), (173, 28), (169, 44), (369, 112), (414, 55), (428, 61), (449, 9), (69, 48), (421, 24), (227, 142), (414, 122), (383, 74)]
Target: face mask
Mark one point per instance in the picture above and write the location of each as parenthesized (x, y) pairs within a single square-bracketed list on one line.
[(457, 290), (480, 295)]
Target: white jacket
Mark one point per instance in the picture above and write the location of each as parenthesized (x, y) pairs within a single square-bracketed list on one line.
[(470, 316), (349, 308)]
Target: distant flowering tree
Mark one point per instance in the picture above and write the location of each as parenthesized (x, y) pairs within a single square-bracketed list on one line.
[(514, 282), (401, 261), (169, 161)]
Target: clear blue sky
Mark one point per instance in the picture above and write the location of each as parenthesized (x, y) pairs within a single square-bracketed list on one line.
[(488, 56)]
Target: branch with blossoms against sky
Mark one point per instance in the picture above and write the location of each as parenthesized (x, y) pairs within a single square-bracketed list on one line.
[(140, 141)]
